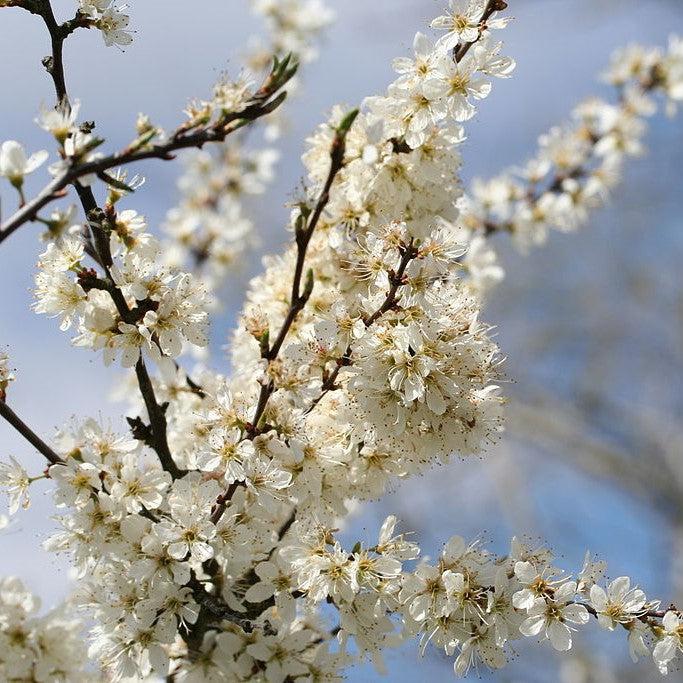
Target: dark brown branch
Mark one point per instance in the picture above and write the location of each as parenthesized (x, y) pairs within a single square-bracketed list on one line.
[(223, 500), (286, 526), (55, 63), (304, 233), (8, 414), (163, 150), (212, 610), (396, 279), (158, 427), (192, 385), (100, 238), (157, 419)]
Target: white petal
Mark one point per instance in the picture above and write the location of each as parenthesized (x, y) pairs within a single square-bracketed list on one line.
[(619, 587), (560, 636), (259, 592), (577, 614), (598, 597), (532, 626), (36, 160)]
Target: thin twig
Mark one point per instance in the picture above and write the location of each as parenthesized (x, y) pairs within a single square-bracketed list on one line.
[(396, 279), (100, 238), (8, 414), (164, 150), (263, 102), (299, 297)]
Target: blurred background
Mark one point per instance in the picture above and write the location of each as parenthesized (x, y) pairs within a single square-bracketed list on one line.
[(591, 324)]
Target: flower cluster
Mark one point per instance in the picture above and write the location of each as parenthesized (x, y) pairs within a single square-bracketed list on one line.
[(148, 548), (474, 604), (105, 481), (210, 229), (579, 163), (134, 303), (38, 648), (139, 306), (389, 355), (205, 537)]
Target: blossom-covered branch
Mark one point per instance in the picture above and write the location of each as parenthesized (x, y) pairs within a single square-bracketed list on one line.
[(211, 227), (234, 106), (473, 603), (579, 163), (305, 225), (205, 542)]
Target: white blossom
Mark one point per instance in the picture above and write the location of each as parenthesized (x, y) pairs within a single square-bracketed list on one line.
[(15, 480), (552, 617), (620, 604), (14, 164), (60, 121), (670, 642), (114, 26)]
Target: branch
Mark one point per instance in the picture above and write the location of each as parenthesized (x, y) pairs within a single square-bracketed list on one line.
[(187, 135), (223, 500), (163, 150), (304, 231), (396, 279), (303, 237), (555, 184), (54, 63), (156, 412), (157, 419), (96, 217), (8, 414)]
